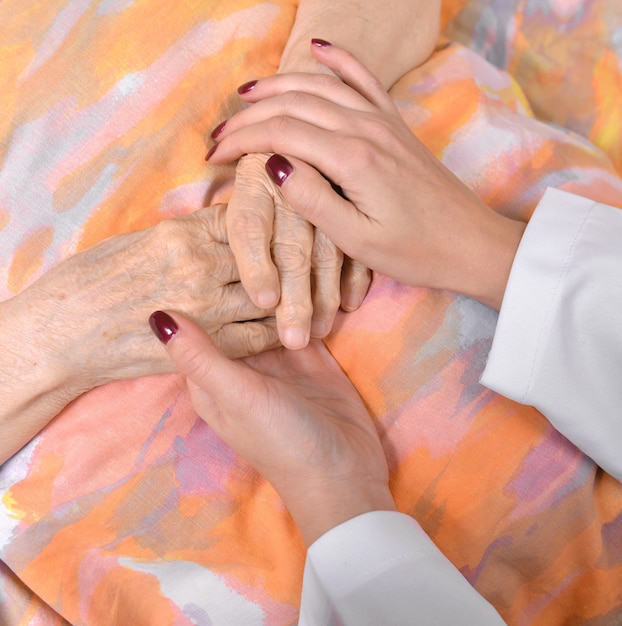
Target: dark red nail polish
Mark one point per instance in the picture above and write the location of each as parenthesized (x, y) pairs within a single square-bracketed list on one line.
[(246, 87), (218, 129), (208, 156), (163, 326), (279, 169), (321, 43)]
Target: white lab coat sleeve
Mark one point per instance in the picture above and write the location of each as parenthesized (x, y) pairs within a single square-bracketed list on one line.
[(558, 347), (558, 342), (381, 568)]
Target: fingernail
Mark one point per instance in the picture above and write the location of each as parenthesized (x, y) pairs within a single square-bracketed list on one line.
[(321, 43), (351, 303), (319, 329), (294, 338), (279, 169), (267, 299), (218, 129), (246, 87), (163, 326), (211, 152)]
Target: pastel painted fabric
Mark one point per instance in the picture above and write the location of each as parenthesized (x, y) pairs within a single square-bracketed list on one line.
[(106, 112)]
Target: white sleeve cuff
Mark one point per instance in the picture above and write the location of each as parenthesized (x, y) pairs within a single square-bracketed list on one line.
[(382, 568), (558, 342)]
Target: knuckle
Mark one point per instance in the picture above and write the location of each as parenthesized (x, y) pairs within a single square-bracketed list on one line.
[(167, 231), (249, 338), (326, 302), (250, 165), (292, 257), (326, 255), (279, 126), (292, 101), (363, 155), (249, 226), (328, 81), (293, 311)]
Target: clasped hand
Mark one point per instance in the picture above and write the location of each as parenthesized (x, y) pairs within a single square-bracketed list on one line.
[(294, 416), (404, 214)]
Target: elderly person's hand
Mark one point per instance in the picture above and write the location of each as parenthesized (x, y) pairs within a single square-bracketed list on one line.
[(404, 213), (83, 323), (299, 422), (283, 260)]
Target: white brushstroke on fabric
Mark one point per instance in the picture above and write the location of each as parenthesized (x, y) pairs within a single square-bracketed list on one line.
[(203, 592), (107, 7), (56, 35)]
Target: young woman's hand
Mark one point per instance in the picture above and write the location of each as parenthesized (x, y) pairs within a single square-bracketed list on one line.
[(294, 416), (399, 210), (284, 261)]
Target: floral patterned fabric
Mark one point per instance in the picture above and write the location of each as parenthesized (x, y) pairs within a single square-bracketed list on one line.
[(127, 509)]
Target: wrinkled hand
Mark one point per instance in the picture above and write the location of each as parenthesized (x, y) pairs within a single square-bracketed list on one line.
[(295, 417), (91, 308), (405, 215), (285, 262)]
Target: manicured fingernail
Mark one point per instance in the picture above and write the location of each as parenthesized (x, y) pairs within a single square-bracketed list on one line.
[(279, 169), (246, 87), (218, 129), (163, 326), (211, 152), (321, 43), (294, 338), (267, 299)]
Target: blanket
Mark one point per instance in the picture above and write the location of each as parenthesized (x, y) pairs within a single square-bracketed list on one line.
[(127, 509)]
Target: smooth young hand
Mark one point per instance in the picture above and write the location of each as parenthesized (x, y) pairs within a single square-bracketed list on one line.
[(294, 416), (404, 214)]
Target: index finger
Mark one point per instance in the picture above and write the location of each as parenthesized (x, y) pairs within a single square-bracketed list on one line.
[(250, 219)]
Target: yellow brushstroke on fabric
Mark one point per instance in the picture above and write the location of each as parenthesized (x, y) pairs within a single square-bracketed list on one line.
[(607, 84), (13, 506), (35, 500), (28, 258), (512, 97)]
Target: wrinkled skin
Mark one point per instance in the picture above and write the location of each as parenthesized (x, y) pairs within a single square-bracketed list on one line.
[(83, 323)]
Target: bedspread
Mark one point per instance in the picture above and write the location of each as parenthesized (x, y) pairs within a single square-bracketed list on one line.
[(128, 509)]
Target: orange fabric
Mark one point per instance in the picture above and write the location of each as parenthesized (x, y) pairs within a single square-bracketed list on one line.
[(127, 509)]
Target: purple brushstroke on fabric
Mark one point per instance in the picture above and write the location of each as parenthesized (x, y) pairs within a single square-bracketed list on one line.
[(157, 429), (203, 461), (551, 471), (612, 540), (472, 574)]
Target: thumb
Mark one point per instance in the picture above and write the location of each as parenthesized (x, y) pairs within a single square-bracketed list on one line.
[(198, 358), (320, 202)]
